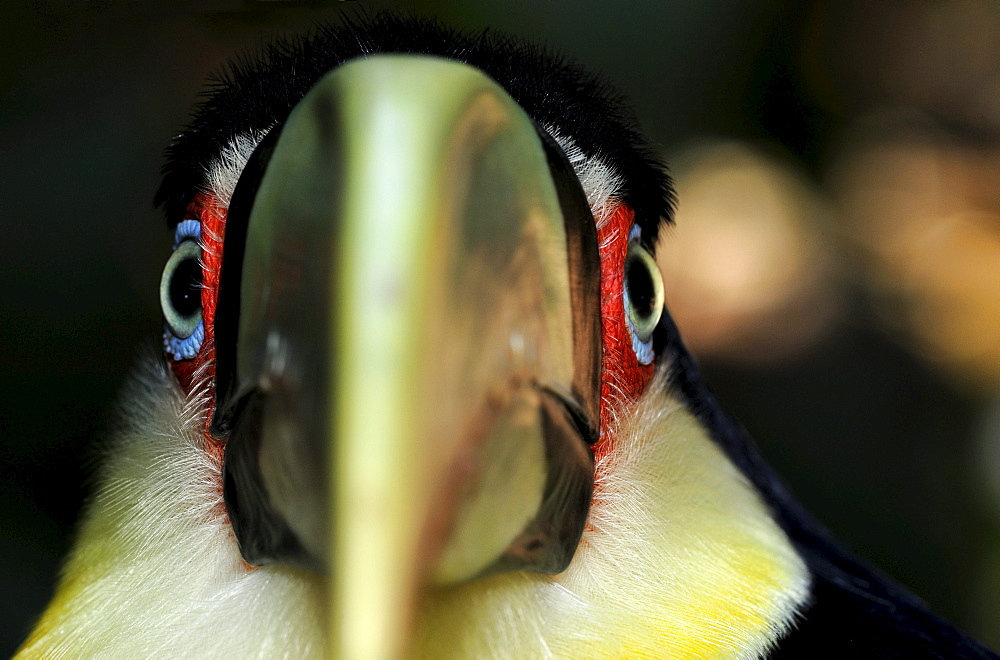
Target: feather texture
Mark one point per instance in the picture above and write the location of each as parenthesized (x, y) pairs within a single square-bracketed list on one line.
[(680, 558), (155, 571)]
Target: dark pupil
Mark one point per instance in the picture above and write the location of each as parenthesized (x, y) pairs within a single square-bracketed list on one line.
[(640, 287), (185, 287)]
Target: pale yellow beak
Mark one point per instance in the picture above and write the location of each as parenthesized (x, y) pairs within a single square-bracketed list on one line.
[(419, 341)]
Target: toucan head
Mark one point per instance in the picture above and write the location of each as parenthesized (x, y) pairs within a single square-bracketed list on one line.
[(423, 395), (417, 279)]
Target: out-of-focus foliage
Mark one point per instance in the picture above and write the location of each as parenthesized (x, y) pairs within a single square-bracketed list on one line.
[(888, 230), (751, 266)]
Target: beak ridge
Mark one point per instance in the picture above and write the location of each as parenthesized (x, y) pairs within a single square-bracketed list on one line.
[(407, 386)]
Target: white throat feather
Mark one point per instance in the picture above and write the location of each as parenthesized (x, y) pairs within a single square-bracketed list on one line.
[(680, 559)]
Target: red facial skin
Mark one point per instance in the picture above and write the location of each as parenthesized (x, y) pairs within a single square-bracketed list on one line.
[(622, 377), (211, 213)]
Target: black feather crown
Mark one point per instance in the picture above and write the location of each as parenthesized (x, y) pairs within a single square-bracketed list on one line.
[(258, 90)]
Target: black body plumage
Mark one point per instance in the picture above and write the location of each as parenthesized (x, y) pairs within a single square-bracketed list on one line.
[(855, 611)]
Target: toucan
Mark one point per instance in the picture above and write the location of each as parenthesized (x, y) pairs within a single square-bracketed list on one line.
[(419, 395)]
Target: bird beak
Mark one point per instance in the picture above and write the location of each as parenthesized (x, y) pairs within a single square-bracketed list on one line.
[(408, 341)]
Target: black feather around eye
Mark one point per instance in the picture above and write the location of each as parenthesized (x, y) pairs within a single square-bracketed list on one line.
[(258, 91)]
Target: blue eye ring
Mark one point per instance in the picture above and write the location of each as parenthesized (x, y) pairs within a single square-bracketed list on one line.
[(642, 297), (186, 348), (187, 230)]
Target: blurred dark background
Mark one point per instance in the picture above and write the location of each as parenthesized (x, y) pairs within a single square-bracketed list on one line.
[(836, 263)]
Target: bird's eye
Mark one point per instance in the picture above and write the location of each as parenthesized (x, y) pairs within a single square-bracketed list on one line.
[(643, 298), (180, 295)]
